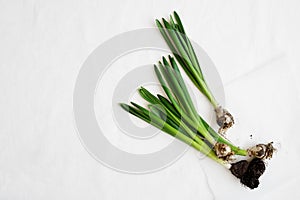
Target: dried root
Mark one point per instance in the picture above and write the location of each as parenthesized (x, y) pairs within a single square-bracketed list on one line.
[(262, 151), (224, 119), (224, 151)]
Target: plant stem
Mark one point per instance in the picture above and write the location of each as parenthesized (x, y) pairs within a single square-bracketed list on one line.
[(144, 114)]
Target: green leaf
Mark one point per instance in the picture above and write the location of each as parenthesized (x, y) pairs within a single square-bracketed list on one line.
[(179, 23), (148, 96)]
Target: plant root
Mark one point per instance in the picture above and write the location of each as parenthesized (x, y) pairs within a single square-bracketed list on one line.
[(262, 151), (224, 119)]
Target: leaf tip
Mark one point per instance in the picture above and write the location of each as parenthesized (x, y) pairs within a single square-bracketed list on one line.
[(124, 106)]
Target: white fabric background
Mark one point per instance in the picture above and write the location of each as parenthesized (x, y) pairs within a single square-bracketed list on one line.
[(254, 44)]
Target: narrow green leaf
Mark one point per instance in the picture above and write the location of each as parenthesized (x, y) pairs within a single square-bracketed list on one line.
[(178, 21), (148, 96)]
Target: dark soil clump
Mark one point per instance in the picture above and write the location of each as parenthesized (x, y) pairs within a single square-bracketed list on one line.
[(238, 169), (256, 167), (249, 172), (249, 181)]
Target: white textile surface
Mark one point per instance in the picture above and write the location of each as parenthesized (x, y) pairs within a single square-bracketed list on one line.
[(254, 44)]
